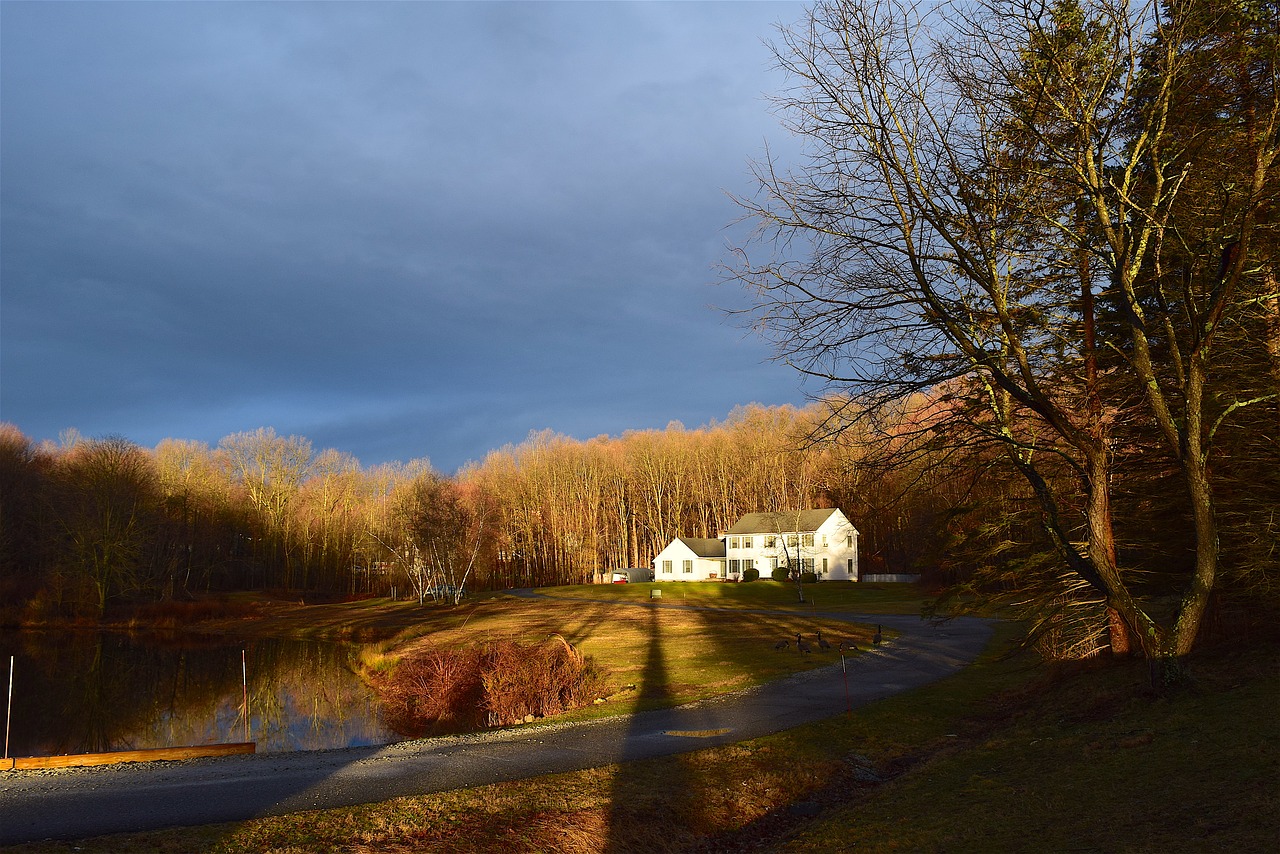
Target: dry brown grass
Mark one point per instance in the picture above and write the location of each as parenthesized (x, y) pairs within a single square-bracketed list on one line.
[(178, 614)]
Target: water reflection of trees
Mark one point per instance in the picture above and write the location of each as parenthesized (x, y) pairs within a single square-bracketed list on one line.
[(78, 692)]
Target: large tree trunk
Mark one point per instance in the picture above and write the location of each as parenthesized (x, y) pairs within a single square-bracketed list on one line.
[(1196, 598), (1118, 634), (1123, 613)]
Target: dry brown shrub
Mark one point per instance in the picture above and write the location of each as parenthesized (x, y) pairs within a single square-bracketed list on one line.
[(437, 690), (541, 680), (443, 690)]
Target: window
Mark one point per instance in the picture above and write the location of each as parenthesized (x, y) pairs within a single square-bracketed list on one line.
[(793, 540), (733, 542), (770, 542), (848, 542), (808, 541), (824, 566), (746, 542), (688, 567), (773, 563), (666, 567), (806, 565), (824, 541), (851, 566), (733, 564)]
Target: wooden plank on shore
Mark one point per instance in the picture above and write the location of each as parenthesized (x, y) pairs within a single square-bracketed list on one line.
[(156, 754)]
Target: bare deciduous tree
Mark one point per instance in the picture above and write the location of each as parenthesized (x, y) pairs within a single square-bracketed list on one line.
[(978, 178), (107, 511), (271, 469)]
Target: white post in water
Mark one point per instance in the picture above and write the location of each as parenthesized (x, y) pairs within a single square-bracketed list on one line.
[(244, 678), (8, 712)]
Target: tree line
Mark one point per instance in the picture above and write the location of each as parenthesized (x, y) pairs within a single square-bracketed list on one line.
[(89, 522)]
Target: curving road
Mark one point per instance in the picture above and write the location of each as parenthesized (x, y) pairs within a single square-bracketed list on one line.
[(77, 803)]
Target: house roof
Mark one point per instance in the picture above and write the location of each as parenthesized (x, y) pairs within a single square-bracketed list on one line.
[(782, 522), (704, 548)]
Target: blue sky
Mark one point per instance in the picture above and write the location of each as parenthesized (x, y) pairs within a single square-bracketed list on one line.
[(401, 230)]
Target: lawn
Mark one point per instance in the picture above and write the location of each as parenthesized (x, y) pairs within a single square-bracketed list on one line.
[(831, 596), (651, 656)]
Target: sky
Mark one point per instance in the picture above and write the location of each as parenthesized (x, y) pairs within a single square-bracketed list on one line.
[(401, 230)]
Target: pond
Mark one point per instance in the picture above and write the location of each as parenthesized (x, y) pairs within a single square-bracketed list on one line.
[(89, 692)]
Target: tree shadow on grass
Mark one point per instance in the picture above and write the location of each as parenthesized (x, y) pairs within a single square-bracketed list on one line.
[(629, 805), (682, 801)]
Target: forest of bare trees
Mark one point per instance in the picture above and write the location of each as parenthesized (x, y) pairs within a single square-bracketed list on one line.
[(92, 525), (88, 523)]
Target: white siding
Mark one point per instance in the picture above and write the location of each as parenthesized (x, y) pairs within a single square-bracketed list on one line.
[(704, 569), (835, 541)]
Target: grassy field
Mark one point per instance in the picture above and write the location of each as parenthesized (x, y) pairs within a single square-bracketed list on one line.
[(702, 653), (835, 596), (1005, 756)]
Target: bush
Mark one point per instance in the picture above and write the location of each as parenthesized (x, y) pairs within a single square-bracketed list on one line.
[(808, 577), (434, 691), (780, 574), (444, 690), (750, 574)]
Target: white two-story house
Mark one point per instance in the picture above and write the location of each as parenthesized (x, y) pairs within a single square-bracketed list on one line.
[(820, 541)]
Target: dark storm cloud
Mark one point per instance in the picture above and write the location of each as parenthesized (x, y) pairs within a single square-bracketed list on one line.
[(402, 230)]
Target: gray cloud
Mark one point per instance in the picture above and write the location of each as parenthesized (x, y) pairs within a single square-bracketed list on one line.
[(402, 230)]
